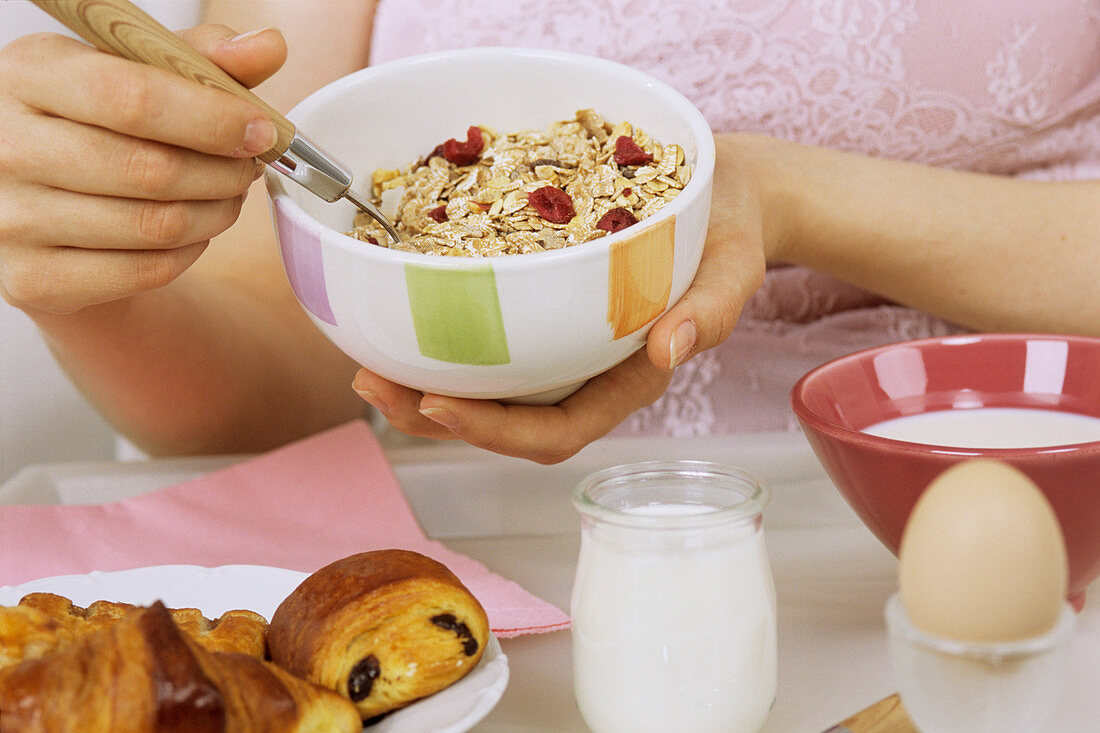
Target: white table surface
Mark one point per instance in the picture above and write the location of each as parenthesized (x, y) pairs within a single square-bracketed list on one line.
[(832, 576)]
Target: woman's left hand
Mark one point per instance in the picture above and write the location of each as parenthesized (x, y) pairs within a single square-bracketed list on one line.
[(544, 434)]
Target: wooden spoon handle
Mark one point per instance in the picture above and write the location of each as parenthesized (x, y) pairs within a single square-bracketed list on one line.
[(885, 716), (121, 28)]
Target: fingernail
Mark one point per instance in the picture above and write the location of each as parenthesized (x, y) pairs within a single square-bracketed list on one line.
[(259, 169), (248, 34), (682, 342), (259, 136), (446, 418), (375, 401)]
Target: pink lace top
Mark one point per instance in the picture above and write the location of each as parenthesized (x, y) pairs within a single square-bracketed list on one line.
[(1009, 87)]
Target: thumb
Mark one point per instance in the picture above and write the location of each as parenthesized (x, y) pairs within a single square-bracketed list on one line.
[(730, 271), (250, 57)]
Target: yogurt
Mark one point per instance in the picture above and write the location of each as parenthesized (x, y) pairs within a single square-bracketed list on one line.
[(674, 629)]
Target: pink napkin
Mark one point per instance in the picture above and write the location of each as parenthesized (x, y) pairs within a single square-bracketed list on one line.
[(299, 507)]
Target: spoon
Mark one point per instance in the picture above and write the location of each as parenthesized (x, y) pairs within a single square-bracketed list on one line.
[(121, 28)]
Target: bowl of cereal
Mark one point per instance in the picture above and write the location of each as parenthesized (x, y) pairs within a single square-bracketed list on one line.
[(551, 207)]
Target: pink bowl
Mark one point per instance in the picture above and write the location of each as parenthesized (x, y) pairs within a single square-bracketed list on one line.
[(882, 478)]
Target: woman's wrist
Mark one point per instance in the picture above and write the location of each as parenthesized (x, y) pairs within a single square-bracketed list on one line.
[(760, 173)]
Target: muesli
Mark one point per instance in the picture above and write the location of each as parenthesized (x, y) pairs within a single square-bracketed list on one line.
[(529, 191)]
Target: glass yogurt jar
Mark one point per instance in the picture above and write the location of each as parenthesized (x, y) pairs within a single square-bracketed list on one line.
[(674, 613)]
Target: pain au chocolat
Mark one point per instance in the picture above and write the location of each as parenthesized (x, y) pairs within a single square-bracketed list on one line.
[(382, 628)]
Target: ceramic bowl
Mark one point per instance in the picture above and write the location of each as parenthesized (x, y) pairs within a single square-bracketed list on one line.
[(881, 478), (529, 328)]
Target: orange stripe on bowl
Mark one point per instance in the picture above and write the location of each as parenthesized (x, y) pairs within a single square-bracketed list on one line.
[(640, 277)]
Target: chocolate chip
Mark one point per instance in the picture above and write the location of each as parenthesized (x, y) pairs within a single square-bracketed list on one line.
[(362, 677), (448, 622), (445, 621)]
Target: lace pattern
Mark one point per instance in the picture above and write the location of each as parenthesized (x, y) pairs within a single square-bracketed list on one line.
[(898, 78)]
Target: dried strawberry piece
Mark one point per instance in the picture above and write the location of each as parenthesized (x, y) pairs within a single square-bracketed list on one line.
[(439, 213), (628, 152), (616, 219), (552, 204), (371, 239), (467, 152)]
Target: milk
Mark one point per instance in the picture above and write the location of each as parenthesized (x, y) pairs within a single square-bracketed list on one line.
[(991, 427), (674, 629)]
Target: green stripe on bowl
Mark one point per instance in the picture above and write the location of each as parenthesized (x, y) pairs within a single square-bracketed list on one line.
[(456, 314)]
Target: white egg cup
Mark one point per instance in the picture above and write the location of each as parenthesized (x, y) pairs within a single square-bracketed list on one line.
[(948, 686)]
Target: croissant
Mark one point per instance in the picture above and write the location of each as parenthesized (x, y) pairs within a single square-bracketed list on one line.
[(27, 633), (234, 631), (382, 628), (142, 674)]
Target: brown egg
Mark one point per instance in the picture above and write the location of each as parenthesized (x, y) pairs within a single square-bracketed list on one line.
[(982, 557)]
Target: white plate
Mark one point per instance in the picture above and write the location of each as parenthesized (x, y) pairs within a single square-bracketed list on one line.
[(261, 589)]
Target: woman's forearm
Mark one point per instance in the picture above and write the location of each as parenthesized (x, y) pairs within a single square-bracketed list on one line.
[(987, 252), (173, 387), (220, 361)]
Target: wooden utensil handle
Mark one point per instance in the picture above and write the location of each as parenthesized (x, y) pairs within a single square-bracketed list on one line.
[(885, 716), (120, 27)]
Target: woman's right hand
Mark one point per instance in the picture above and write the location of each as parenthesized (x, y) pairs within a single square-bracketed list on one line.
[(115, 175)]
